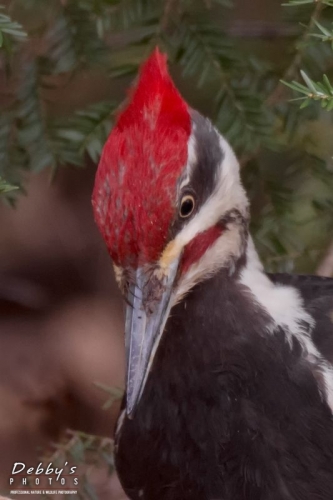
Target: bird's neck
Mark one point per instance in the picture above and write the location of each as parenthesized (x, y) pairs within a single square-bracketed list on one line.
[(231, 307), (213, 314)]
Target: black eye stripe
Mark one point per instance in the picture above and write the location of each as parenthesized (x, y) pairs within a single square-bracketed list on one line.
[(208, 158)]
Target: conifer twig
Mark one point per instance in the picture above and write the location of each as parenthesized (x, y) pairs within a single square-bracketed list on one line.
[(279, 92)]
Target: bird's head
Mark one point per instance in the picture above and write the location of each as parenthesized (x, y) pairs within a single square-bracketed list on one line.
[(171, 208)]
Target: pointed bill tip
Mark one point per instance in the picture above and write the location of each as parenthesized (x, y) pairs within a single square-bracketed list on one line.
[(143, 329)]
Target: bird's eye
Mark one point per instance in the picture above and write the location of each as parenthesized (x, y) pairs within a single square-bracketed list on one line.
[(186, 206)]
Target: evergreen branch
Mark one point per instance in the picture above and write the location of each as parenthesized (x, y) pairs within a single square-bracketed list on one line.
[(13, 158), (6, 126), (60, 56), (243, 118), (296, 3), (72, 34), (90, 454), (10, 30), (6, 187), (203, 50), (209, 3), (224, 3), (85, 132), (208, 54), (32, 127), (89, 47), (169, 7), (317, 91), (131, 13), (279, 92), (159, 21), (145, 23), (114, 394), (326, 35)]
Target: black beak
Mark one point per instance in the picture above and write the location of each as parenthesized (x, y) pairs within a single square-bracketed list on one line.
[(150, 299)]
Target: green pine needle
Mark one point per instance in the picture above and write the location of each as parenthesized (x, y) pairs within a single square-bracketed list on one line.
[(6, 187), (10, 30), (296, 3), (316, 91)]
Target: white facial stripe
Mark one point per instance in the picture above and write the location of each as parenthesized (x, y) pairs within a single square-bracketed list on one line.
[(191, 160), (228, 194)]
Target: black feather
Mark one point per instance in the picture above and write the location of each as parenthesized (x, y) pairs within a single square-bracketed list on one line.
[(229, 412)]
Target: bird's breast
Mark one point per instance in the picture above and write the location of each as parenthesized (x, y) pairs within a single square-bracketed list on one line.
[(229, 412)]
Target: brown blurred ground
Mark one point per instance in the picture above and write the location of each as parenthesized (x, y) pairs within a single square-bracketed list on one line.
[(60, 321)]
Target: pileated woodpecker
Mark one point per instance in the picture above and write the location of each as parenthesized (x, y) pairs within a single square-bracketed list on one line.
[(229, 376)]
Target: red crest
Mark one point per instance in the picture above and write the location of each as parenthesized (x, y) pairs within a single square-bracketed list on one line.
[(134, 197)]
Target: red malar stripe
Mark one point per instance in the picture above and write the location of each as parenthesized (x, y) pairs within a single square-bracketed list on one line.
[(199, 245)]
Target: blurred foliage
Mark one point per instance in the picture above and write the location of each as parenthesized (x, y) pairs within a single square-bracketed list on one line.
[(5, 187), (91, 455), (285, 153), (114, 394), (10, 31), (293, 3)]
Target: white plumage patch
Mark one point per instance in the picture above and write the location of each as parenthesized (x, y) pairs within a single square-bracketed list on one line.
[(285, 307), (283, 303), (191, 160)]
